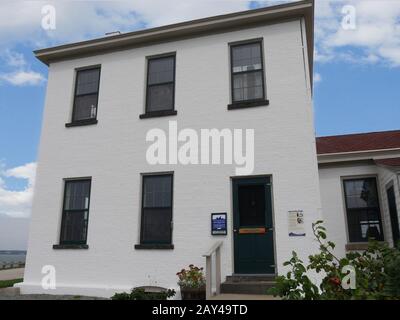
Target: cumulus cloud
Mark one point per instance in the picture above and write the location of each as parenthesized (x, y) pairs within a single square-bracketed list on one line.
[(17, 71), (21, 78), (375, 38), (17, 203), (13, 59)]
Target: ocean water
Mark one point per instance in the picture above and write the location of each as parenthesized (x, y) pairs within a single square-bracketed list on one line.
[(12, 257)]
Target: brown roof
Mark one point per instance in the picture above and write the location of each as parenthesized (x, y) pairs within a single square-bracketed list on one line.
[(392, 162), (359, 142)]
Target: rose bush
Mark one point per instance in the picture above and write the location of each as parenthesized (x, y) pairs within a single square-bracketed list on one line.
[(377, 273)]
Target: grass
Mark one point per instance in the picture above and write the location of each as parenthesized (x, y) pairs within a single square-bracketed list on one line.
[(9, 283)]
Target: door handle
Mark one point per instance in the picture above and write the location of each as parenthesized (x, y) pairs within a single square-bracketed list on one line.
[(235, 230)]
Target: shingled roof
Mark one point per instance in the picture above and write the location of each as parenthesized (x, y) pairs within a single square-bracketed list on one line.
[(359, 142), (391, 162)]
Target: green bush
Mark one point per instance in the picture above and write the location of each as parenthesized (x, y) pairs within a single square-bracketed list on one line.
[(141, 294), (377, 273), (9, 283)]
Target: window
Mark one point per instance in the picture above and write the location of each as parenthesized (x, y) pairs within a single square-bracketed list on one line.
[(75, 214), (86, 95), (156, 222), (394, 220), (247, 74), (160, 85), (363, 212)]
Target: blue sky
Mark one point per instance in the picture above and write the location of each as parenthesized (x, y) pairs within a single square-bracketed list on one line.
[(357, 71)]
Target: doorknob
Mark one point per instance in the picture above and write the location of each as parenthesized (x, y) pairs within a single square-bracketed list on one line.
[(234, 230)]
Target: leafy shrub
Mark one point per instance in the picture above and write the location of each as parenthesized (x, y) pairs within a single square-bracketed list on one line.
[(141, 294), (192, 277), (377, 273)]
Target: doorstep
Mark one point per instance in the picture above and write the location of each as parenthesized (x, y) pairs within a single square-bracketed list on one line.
[(232, 296)]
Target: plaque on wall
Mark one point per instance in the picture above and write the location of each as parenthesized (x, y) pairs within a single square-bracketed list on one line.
[(296, 223), (218, 224)]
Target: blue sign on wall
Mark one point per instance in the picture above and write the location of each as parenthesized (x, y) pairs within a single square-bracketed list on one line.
[(218, 224)]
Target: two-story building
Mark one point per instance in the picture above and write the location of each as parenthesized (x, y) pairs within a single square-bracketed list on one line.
[(108, 217)]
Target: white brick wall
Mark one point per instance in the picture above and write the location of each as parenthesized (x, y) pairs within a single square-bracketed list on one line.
[(113, 153), (386, 179), (332, 198)]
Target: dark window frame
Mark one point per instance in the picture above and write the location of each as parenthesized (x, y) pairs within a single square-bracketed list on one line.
[(347, 209), (154, 244), (83, 122), (74, 244), (393, 218), (159, 113), (252, 102)]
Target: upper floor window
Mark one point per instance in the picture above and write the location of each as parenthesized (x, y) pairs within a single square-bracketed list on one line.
[(75, 214), (363, 212), (160, 93), (247, 73), (86, 95)]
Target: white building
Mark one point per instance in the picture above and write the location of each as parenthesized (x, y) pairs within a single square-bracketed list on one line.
[(359, 181), (108, 219)]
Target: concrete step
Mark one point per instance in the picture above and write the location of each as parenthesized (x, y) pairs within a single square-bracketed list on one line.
[(230, 296), (247, 287), (240, 278)]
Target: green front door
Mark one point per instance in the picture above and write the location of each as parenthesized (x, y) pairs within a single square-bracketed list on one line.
[(252, 226)]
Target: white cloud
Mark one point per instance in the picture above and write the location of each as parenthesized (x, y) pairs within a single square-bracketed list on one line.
[(375, 39), (13, 59), (21, 78), (17, 203), (317, 77), (16, 71)]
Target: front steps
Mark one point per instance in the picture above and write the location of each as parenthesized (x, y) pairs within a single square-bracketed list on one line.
[(247, 284)]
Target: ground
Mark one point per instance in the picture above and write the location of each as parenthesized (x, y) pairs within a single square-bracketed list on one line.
[(11, 276)]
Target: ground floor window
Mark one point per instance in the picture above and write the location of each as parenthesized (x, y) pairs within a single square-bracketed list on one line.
[(75, 213), (362, 208), (156, 220)]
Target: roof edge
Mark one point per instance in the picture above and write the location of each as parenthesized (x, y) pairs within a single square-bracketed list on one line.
[(357, 134), (193, 28)]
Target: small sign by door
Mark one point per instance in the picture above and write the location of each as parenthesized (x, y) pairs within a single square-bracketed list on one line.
[(296, 223), (218, 224)]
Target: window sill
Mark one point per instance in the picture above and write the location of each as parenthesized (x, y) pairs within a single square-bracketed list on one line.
[(81, 123), (248, 104), (70, 246), (358, 246), (154, 246), (161, 113)]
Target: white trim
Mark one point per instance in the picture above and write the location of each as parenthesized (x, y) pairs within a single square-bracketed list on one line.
[(356, 152)]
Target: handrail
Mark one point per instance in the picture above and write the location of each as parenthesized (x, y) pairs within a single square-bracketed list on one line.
[(213, 248), (208, 255)]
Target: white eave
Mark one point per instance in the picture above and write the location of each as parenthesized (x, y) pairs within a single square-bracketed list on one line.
[(364, 155), (301, 9)]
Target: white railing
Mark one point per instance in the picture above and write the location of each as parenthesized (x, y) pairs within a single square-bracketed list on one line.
[(216, 248)]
